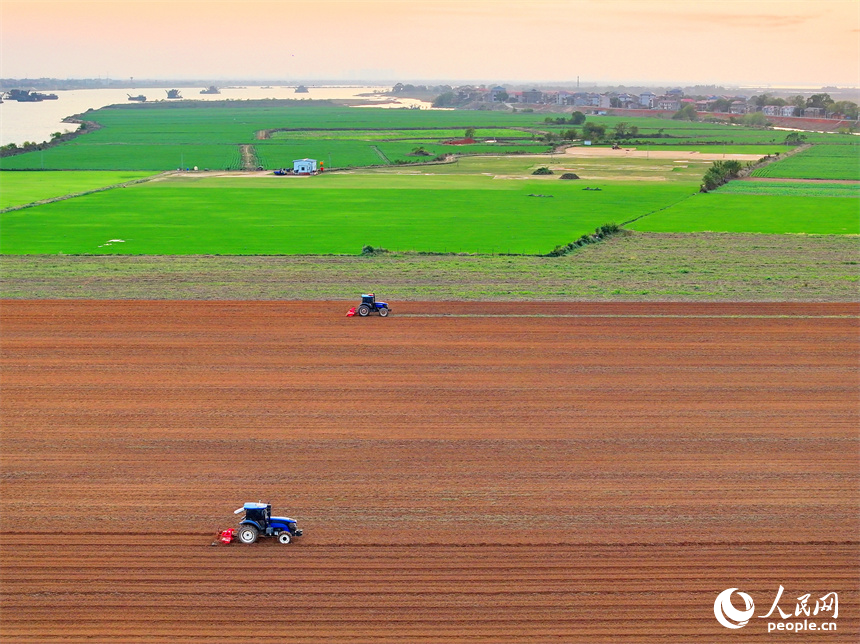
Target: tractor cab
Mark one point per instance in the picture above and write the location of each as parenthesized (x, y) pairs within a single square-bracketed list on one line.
[(258, 514), (369, 299), (259, 522)]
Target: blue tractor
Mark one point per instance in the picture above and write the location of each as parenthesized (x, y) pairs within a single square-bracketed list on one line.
[(259, 522), (369, 305)]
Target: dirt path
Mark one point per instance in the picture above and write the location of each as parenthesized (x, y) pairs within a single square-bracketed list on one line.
[(249, 157), (677, 155), (477, 478)]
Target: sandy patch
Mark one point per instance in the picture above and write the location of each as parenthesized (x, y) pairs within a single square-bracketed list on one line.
[(681, 155)]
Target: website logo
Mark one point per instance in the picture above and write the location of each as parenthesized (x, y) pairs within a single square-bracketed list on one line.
[(727, 614)]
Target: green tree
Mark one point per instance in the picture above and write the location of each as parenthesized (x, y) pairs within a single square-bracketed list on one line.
[(756, 119), (593, 131), (569, 135), (819, 100), (847, 108), (721, 105), (470, 133), (445, 99), (577, 118), (719, 173), (686, 113)]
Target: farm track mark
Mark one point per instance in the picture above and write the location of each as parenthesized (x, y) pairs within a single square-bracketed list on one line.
[(249, 157), (381, 155)]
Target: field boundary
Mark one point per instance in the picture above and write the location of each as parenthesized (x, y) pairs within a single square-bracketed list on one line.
[(381, 154), (72, 195)]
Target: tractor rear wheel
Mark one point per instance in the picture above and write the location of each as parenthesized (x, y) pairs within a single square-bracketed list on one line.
[(384, 312), (248, 534), (285, 538), (364, 310)]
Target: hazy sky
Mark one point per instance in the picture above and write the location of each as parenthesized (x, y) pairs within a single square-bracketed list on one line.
[(789, 42)]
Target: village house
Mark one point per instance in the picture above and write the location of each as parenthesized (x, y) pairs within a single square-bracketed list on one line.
[(533, 96), (647, 100), (788, 110), (770, 110), (738, 107), (814, 113), (667, 103), (495, 93), (628, 101)]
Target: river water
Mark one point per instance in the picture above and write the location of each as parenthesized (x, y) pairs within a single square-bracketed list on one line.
[(20, 122)]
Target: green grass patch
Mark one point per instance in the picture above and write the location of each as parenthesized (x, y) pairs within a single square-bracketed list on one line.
[(329, 214), (19, 188), (744, 213)]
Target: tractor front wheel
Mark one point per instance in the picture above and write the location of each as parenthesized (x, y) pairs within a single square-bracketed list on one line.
[(285, 538), (248, 534), (384, 312), (364, 310)]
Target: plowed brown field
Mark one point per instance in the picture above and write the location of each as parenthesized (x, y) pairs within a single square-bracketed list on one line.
[(463, 473)]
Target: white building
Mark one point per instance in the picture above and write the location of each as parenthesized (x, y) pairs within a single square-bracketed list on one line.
[(646, 99), (304, 166)]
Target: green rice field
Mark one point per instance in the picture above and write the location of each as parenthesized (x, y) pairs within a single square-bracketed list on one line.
[(488, 203), (791, 188), (329, 214), (818, 162), (745, 213), (19, 188), (169, 136)]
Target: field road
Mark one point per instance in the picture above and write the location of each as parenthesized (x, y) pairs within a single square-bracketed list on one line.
[(467, 472)]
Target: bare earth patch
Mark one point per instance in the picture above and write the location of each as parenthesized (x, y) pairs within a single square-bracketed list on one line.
[(471, 479), (633, 153)]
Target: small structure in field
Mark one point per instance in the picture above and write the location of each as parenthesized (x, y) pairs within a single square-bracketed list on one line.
[(304, 166)]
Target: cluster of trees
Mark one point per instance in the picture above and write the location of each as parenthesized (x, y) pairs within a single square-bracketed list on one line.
[(401, 88), (719, 173), (445, 99), (624, 131), (566, 135), (577, 118), (686, 113), (823, 100)]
